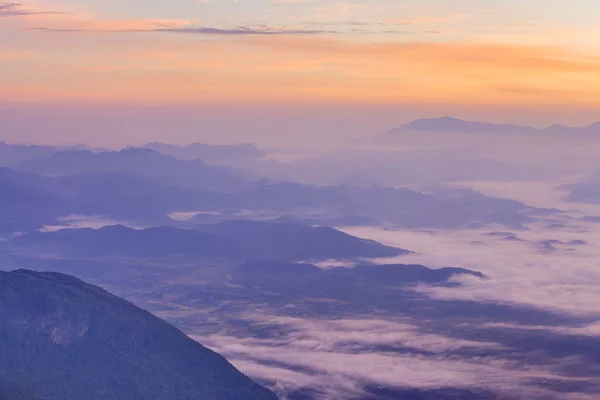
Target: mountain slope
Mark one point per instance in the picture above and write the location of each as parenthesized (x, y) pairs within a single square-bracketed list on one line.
[(68, 340), (445, 208), (247, 240), (118, 240), (449, 124), (24, 207), (192, 174), (593, 129), (454, 125), (285, 241), (13, 154), (218, 154), (341, 283)]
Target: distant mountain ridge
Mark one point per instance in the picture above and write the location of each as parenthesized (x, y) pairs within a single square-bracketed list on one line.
[(14, 154), (239, 240), (207, 152), (24, 207), (455, 125), (186, 173), (279, 240), (281, 276)]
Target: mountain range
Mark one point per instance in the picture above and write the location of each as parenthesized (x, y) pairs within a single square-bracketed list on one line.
[(32, 200), (400, 206), (310, 280), (289, 241), (14, 154), (245, 240), (63, 339), (454, 125), (24, 207), (217, 154), (145, 162)]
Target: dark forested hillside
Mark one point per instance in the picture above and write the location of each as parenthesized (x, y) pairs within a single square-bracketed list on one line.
[(63, 339)]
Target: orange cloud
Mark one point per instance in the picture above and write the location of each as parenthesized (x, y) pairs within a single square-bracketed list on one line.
[(307, 69)]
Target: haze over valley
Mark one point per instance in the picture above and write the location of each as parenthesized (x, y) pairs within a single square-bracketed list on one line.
[(474, 285)]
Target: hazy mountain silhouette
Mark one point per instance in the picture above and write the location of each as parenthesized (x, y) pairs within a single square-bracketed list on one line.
[(587, 191), (344, 220), (24, 207), (118, 240), (404, 207), (233, 239), (367, 167), (116, 195), (191, 174), (13, 154), (130, 197), (216, 154), (10, 175), (68, 340), (308, 280), (287, 195), (454, 125), (593, 129), (287, 241), (449, 124), (147, 198)]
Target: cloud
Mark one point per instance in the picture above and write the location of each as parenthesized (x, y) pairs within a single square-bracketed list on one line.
[(115, 27), (519, 273), (20, 10), (299, 62), (264, 30), (338, 358)]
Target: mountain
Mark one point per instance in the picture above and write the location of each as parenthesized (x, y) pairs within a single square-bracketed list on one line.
[(286, 241), (343, 220), (454, 125), (11, 391), (234, 239), (191, 174), (592, 130), (66, 340), (446, 208), (147, 199), (115, 195), (13, 154), (449, 124), (290, 195), (24, 207), (23, 178), (216, 154), (366, 167), (84, 147), (309, 280), (129, 197), (119, 240)]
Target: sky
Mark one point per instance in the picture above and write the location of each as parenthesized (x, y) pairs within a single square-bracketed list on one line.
[(508, 61)]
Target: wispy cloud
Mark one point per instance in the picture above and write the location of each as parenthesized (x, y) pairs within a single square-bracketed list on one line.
[(338, 359), (328, 60), (20, 10), (197, 30), (520, 272)]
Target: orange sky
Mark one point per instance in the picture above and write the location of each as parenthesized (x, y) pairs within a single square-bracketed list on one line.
[(78, 53)]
